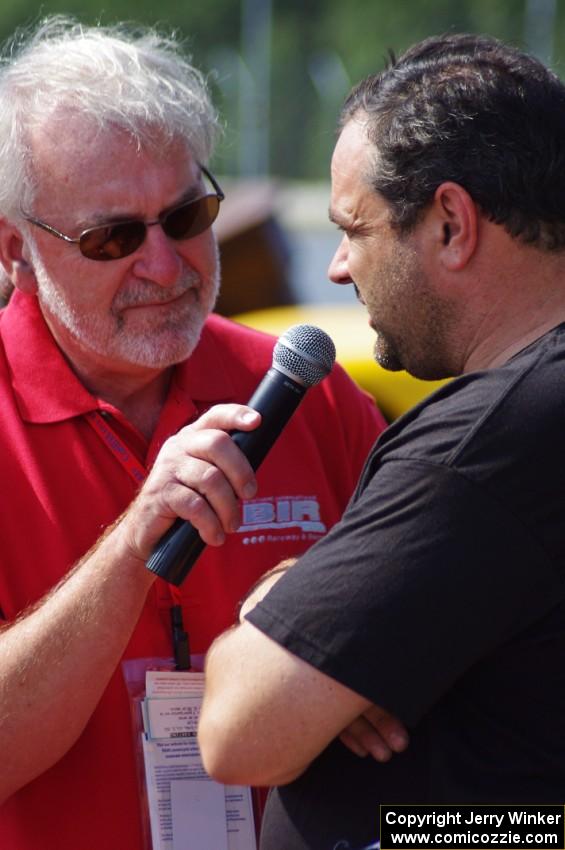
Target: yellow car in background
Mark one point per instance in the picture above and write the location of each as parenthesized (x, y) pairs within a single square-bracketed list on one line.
[(347, 325)]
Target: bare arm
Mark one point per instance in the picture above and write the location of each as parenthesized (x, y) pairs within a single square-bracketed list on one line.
[(375, 732), (266, 713), (56, 659)]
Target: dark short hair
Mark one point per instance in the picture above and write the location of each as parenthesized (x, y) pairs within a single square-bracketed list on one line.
[(475, 111)]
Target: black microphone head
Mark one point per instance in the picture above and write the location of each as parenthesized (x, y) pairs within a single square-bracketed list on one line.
[(305, 353)]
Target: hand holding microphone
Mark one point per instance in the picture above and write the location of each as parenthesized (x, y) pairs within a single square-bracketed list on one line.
[(302, 357)]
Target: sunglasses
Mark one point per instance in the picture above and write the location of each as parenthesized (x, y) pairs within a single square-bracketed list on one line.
[(112, 241)]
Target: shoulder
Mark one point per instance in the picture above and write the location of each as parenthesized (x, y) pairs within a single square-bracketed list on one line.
[(251, 347), (504, 409)]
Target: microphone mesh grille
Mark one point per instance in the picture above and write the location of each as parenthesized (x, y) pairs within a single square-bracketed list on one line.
[(306, 352)]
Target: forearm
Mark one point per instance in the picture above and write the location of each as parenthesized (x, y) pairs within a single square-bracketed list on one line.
[(58, 658)]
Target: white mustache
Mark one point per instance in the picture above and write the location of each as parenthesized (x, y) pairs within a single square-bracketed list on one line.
[(151, 293)]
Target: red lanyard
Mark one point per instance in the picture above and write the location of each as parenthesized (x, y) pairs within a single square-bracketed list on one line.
[(133, 467), (138, 473)]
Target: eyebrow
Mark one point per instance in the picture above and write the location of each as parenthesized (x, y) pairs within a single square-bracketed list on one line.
[(101, 219), (338, 220)]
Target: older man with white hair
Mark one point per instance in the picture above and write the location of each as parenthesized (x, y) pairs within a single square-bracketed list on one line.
[(107, 348)]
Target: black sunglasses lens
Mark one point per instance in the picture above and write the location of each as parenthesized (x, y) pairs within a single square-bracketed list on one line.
[(112, 242), (191, 219)]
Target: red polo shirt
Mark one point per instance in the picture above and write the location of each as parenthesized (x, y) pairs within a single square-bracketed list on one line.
[(62, 485)]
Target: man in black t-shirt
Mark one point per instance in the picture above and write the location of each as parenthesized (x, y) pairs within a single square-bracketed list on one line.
[(440, 596)]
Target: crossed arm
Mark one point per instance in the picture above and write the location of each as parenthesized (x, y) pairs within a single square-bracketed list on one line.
[(267, 714)]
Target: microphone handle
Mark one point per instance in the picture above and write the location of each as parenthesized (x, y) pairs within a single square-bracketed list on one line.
[(276, 398)]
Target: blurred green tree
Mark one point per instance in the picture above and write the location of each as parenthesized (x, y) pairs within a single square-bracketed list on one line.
[(317, 49)]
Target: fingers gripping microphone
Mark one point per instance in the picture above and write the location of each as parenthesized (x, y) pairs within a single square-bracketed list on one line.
[(302, 357)]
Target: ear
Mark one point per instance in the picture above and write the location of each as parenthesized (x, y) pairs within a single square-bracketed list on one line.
[(13, 259), (457, 218)]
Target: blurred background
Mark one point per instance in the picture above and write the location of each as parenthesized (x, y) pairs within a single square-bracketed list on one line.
[(278, 71)]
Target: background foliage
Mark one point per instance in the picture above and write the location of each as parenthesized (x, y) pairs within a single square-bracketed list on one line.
[(280, 68)]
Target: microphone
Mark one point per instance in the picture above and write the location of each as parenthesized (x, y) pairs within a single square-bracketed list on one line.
[(302, 357)]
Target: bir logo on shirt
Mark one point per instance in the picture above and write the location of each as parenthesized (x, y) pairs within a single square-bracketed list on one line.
[(278, 513)]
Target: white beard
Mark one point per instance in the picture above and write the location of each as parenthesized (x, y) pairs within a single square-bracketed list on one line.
[(155, 341)]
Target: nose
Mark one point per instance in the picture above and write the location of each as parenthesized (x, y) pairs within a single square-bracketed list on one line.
[(157, 259), (338, 271)]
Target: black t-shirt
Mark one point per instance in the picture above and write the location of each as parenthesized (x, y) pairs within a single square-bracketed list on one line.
[(441, 596)]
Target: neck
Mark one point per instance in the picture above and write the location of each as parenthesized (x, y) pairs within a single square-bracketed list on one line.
[(490, 357), (139, 399), (527, 301), (139, 392)]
